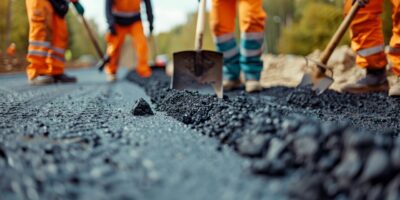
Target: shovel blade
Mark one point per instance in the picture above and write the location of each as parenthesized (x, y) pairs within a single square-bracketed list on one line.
[(199, 71), (319, 83)]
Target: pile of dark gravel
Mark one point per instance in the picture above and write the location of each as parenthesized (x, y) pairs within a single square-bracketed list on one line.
[(333, 145)]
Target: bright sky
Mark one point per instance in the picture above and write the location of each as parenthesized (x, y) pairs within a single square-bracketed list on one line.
[(167, 13)]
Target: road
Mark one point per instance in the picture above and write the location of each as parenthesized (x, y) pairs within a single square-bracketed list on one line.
[(80, 141)]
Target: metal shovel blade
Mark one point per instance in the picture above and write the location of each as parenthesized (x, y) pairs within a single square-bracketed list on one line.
[(319, 84), (199, 71)]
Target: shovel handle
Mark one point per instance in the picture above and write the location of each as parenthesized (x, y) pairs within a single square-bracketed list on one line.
[(201, 15), (92, 37), (339, 33)]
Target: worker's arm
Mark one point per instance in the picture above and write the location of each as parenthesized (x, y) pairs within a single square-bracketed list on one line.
[(78, 6), (149, 12), (110, 17), (362, 3)]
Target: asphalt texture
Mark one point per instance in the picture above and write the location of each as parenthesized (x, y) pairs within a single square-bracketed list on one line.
[(332, 146), (82, 141)]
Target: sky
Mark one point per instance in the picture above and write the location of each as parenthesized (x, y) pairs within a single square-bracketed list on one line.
[(167, 13)]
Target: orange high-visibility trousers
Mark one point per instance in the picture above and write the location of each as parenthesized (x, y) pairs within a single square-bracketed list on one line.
[(367, 36), (115, 43), (47, 39), (251, 23)]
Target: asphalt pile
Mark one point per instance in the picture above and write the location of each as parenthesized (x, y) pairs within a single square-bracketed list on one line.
[(331, 146)]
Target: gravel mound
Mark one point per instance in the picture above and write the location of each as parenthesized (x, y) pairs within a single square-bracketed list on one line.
[(332, 146)]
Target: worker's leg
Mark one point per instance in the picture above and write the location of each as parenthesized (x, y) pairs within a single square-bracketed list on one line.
[(222, 21), (39, 15), (367, 36), (114, 45), (140, 43), (367, 41), (59, 40), (252, 22), (394, 52)]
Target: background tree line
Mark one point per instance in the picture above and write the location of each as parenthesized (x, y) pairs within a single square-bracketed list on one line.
[(293, 27)]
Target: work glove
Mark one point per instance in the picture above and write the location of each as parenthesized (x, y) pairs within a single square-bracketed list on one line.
[(362, 3), (78, 6), (112, 30)]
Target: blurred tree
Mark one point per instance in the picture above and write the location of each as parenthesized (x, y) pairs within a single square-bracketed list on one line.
[(181, 37)]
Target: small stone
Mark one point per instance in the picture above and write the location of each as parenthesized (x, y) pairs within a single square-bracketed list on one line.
[(349, 167), (305, 147), (378, 164), (141, 108), (276, 147), (253, 146)]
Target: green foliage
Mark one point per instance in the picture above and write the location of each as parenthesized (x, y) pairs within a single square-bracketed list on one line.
[(314, 30), (181, 38), (79, 42)]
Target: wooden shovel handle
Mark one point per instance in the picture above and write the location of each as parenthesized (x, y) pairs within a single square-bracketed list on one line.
[(92, 37), (201, 17), (339, 34)]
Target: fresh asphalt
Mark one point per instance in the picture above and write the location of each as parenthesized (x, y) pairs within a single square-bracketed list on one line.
[(80, 141)]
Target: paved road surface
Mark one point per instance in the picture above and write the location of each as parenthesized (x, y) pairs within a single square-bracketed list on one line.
[(79, 141)]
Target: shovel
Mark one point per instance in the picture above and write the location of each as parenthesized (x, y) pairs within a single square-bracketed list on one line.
[(104, 59), (198, 70), (153, 48), (321, 76)]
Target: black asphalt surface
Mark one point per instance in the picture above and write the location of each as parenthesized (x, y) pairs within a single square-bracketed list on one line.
[(80, 141), (332, 146)]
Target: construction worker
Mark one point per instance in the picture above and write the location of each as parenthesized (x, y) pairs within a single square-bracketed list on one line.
[(48, 40), (368, 43), (248, 59), (123, 17)]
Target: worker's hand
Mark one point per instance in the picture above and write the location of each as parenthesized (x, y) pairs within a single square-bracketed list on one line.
[(361, 3), (151, 28), (79, 8), (112, 30)]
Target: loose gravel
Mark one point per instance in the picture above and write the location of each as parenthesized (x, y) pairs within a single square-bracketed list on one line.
[(333, 146)]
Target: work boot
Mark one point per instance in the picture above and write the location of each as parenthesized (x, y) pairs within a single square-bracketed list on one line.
[(144, 72), (230, 85), (63, 78), (394, 90), (253, 86), (374, 81), (111, 78), (42, 80)]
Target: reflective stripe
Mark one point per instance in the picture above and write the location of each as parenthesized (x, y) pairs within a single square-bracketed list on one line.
[(251, 53), (37, 53), (56, 57), (224, 38), (125, 14), (39, 43), (58, 50), (231, 53), (252, 35), (371, 51), (394, 50)]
